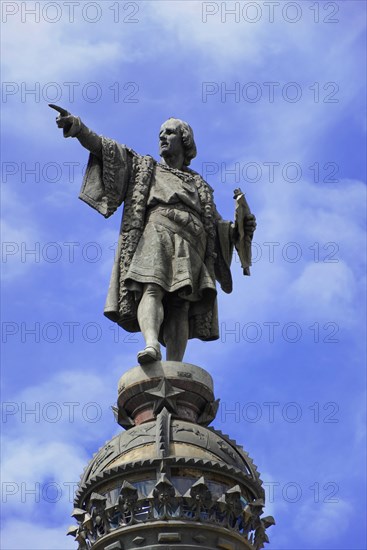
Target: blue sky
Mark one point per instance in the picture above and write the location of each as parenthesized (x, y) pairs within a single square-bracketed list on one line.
[(290, 365)]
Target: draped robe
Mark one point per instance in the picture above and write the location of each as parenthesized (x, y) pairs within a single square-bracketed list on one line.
[(121, 175)]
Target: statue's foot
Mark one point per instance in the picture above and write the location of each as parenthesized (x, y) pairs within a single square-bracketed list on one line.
[(149, 354)]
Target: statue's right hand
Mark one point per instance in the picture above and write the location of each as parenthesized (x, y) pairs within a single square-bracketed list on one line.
[(65, 120)]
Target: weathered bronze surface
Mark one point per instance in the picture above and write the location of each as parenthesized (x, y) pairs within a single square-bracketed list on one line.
[(173, 244)]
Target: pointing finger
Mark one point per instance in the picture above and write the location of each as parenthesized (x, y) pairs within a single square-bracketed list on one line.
[(63, 112)]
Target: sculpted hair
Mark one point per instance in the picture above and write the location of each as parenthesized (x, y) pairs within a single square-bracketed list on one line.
[(187, 139)]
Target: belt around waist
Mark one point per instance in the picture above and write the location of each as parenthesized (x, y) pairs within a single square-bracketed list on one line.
[(166, 207), (193, 232)]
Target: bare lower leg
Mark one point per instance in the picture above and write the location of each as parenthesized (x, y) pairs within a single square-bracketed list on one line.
[(176, 330), (150, 314)]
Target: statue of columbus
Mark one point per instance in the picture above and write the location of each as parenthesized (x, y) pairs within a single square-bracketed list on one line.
[(173, 244)]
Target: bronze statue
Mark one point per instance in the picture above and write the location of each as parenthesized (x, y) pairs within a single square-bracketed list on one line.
[(173, 244)]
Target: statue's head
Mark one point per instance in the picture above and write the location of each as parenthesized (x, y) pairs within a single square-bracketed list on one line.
[(176, 136)]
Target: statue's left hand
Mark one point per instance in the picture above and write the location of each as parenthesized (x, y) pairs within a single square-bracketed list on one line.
[(249, 224)]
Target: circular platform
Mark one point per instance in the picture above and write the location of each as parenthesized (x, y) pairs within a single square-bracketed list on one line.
[(185, 390)]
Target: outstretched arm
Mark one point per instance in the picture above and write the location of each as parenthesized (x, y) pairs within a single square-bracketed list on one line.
[(73, 127), (109, 167)]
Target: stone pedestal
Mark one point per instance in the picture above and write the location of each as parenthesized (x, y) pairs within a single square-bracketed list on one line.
[(184, 389), (169, 481)]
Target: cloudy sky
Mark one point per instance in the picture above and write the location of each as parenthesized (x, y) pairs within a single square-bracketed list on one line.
[(275, 94)]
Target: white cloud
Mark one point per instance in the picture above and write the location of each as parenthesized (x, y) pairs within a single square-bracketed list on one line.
[(30, 462), (44, 452), (61, 414), (211, 40), (39, 479), (47, 51), (329, 236), (325, 289), (32, 535), (324, 521)]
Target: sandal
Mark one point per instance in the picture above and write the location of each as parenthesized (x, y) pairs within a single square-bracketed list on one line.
[(149, 355)]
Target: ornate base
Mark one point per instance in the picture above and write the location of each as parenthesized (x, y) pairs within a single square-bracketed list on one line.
[(169, 481)]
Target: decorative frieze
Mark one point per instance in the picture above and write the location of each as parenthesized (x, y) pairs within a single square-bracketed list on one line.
[(230, 511)]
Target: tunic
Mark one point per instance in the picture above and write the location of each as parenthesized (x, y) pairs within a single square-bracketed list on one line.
[(171, 250)]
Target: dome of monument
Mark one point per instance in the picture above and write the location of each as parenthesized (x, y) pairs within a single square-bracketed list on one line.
[(182, 443)]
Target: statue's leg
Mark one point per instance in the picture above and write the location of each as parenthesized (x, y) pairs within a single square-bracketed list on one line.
[(150, 318), (176, 329)]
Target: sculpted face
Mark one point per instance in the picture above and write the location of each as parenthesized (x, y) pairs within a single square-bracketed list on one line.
[(170, 139)]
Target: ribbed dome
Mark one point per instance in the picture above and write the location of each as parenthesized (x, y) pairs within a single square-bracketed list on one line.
[(184, 442)]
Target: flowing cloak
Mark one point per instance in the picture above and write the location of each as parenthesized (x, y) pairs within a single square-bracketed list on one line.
[(121, 175)]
